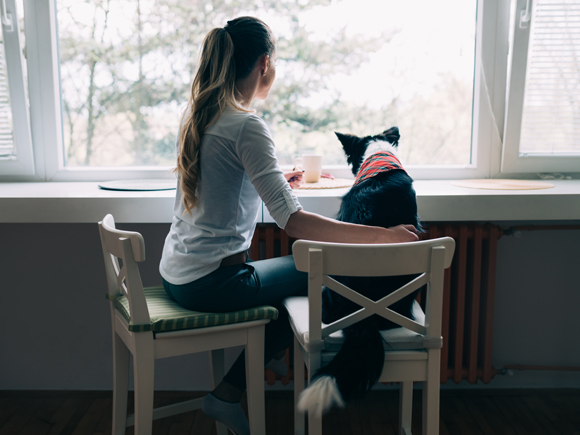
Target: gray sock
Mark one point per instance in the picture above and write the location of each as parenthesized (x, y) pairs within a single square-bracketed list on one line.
[(230, 414), (278, 366)]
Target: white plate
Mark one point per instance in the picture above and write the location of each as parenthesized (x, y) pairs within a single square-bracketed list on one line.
[(150, 184)]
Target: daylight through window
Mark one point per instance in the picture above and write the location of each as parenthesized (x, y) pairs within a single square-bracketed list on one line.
[(353, 66)]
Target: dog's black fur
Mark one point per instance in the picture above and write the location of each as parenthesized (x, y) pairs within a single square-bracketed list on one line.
[(386, 200)]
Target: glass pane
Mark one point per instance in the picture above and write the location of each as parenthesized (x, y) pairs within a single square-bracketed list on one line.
[(372, 64), (353, 66), (551, 113), (7, 148)]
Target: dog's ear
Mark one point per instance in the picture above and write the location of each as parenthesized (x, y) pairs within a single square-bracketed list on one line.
[(348, 141), (391, 135), (354, 147)]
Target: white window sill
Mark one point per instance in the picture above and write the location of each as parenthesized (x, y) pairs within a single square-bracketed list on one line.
[(438, 200)]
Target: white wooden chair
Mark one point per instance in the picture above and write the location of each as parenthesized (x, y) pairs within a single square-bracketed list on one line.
[(149, 325), (413, 351)]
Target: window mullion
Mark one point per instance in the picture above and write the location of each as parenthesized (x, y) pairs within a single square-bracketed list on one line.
[(517, 84), (490, 66), (44, 86)]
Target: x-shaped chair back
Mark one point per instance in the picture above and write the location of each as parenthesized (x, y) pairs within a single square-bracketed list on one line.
[(128, 247), (427, 258)]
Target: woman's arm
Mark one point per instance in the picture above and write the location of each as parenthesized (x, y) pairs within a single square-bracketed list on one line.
[(311, 226)]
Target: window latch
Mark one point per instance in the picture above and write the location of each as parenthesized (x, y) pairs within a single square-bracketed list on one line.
[(6, 18), (526, 15)]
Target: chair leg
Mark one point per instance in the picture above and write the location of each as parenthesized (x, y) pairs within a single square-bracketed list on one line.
[(298, 388), (314, 424), (216, 362), (255, 380), (431, 389), (120, 384), (144, 373), (405, 407)]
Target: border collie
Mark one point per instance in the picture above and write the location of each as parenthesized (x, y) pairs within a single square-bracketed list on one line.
[(382, 195)]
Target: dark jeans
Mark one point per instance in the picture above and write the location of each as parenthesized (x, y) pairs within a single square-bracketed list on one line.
[(233, 288)]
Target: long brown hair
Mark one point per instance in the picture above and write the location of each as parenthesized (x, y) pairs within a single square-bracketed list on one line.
[(228, 54)]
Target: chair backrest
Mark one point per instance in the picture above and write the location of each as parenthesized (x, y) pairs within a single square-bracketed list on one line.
[(129, 247), (427, 258)]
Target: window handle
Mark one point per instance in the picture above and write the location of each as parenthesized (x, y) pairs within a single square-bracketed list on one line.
[(6, 18), (525, 16)]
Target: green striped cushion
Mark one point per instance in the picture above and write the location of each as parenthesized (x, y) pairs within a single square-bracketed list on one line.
[(167, 315)]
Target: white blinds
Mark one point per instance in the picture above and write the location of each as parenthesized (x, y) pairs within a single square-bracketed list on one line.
[(16, 154), (551, 111), (7, 149)]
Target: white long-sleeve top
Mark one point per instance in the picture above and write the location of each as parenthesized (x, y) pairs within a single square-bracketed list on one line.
[(238, 168)]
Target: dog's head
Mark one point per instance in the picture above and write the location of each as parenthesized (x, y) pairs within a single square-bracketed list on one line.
[(357, 149)]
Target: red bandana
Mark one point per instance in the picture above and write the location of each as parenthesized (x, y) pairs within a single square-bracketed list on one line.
[(382, 161)]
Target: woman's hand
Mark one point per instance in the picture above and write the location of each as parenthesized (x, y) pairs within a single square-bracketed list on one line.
[(294, 178), (401, 234)]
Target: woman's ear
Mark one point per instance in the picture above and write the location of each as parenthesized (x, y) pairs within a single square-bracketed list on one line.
[(265, 61)]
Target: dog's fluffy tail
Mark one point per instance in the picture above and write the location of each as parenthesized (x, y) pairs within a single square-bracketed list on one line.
[(351, 373), (320, 396)]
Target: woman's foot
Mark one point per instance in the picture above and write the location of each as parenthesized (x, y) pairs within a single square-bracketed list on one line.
[(229, 413), (278, 366)]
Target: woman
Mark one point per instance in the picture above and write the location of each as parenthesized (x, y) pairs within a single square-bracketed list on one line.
[(226, 167)]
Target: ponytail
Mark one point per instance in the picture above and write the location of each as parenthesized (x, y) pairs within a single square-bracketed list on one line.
[(228, 54)]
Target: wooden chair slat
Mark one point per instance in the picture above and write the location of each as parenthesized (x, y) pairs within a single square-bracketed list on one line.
[(373, 260), (403, 291), (371, 307), (112, 234), (347, 292), (403, 321), (346, 321)]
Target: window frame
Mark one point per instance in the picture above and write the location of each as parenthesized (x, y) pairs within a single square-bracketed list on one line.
[(46, 113), (512, 160), (22, 165)]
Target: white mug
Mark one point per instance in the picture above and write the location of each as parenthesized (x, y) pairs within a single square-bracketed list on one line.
[(312, 165)]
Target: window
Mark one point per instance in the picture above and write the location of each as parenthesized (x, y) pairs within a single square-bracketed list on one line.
[(394, 64), (126, 68), (15, 141), (109, 78), (543, 118)]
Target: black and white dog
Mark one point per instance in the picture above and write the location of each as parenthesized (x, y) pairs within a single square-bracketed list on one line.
[(382, 195)]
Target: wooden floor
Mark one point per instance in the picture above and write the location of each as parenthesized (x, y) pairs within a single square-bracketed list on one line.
[(462, 412)]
